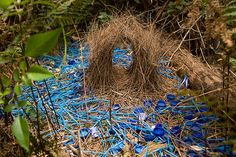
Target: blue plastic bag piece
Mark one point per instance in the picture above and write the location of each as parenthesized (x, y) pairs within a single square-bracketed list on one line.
[(191, 153), (84, 132), (161, 104), (138, 148), (138, 110), (148, 103), (159, 130), (116, 106), (170, 97), (175, 130)]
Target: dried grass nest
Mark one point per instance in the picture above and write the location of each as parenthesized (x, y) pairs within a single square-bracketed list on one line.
[(148, 44)]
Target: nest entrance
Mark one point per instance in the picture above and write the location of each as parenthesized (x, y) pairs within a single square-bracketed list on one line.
[(142, 74)]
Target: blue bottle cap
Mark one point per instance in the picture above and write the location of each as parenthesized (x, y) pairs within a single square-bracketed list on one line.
[(161, 104), (158, 130), (175, 130), (116, 106), (170, 97), (138, 148), (148, 103)]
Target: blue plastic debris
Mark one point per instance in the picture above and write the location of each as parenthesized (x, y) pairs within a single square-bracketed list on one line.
[(116, 106), (170, 97), (159, 130), (73, 111), (161, 104), (138, 148), (84, 132)]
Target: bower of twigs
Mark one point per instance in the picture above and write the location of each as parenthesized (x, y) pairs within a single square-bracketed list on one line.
[(148, 45)]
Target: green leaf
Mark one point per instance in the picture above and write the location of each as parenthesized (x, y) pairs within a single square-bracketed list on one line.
[(5, 81), (42, 43), (16, 75), (26, 80), (17, 89), (4, 60), (20, 130), (9, 107), (6, 92), (1, 101), (5, 3), (37, 73), (23, 65)]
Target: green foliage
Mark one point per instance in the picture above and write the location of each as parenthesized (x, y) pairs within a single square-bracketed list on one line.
[(104, 17), (42, 43), (232, 62), (177, 6), (37, 73), (5, 3), (230, 12), (20, 130), (10, 107)]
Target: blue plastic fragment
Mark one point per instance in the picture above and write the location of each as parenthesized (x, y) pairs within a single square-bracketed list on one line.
[(149, 137), (116, 106), (138, 148), (170, 97), (138, 110), (84, 132), (159, 130), (161, 104)]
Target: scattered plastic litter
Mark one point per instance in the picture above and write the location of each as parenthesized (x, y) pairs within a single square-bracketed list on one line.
[(158, 127)]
